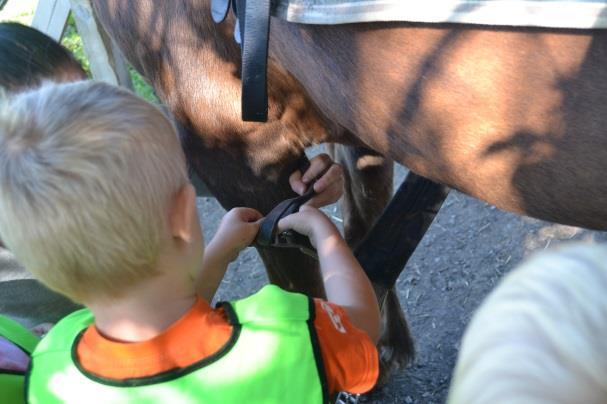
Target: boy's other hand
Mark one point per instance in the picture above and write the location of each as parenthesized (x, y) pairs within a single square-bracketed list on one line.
[(310, 222), (236, 231), (329, 187)]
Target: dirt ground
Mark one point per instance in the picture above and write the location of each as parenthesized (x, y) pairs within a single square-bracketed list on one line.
[(467, 249)]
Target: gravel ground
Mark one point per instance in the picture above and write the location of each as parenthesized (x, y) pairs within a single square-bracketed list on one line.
[(464, 254)]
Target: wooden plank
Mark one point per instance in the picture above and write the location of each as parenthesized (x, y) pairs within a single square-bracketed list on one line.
[(106, 62), (51, 16)]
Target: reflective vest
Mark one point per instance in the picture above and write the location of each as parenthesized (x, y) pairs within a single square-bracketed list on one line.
[(11, 382), (272, 356)]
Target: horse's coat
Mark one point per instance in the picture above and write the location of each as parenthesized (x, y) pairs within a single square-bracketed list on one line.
[(513, 116)]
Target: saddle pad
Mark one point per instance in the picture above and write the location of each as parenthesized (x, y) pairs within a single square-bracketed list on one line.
[(582, 14)]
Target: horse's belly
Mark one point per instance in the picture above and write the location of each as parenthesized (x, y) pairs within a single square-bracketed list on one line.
[(515, 118)]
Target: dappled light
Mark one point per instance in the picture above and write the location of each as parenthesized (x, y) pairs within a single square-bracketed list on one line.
[(508, 115)]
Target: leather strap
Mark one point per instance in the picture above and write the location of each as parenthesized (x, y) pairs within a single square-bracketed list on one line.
[(252, 33), (255, 35)]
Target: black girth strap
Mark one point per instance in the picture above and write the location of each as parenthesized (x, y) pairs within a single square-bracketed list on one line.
[(269, 236), (389, 244), (253, 26)]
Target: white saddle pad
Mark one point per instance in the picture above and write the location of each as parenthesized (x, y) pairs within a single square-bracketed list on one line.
[(581, 14)]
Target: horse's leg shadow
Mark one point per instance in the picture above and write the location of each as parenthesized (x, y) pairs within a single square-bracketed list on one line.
[(385, 252)]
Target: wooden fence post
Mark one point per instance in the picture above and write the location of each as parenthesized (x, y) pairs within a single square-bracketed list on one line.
[(106, 61), (51, 16)]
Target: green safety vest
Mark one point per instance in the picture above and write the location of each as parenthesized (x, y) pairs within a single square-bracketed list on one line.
[(271, 357), (11, 382)]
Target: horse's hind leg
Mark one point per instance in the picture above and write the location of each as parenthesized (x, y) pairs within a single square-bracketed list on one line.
[(368, 188), (385, 252)]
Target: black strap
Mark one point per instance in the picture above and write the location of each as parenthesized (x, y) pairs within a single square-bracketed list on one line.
[(268, 235), (255, 35), (252, 31), (389, 244)]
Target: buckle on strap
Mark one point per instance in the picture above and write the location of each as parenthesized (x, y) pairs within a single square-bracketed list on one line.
[(268, 235)]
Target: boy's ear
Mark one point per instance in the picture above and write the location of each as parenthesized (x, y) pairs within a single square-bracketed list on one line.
[(182, 213)]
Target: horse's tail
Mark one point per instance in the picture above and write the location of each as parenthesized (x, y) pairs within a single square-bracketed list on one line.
[(395, 346)]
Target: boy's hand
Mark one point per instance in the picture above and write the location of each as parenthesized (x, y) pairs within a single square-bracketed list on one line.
[(236, 231), (329, 187), (310, 222)]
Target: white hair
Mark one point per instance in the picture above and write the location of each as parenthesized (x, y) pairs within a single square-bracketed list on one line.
[(541, 335), (87, 171)]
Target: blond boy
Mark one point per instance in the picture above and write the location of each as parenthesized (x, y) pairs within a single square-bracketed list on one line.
[(95, 202)]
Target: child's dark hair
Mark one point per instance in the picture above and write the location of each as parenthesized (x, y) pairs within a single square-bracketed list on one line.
[(28, 57)]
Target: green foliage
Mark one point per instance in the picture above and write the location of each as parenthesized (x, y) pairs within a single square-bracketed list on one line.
[(141, 87), (72, 41)]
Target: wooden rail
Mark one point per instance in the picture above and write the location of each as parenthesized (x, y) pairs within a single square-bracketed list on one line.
[(106, 62)]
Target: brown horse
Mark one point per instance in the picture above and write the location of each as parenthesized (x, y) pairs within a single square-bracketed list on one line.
[(513, 116)]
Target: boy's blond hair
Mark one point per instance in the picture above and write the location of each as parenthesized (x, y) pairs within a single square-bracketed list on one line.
[(87, 171), (541, 336)]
